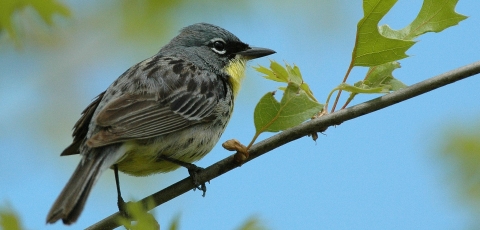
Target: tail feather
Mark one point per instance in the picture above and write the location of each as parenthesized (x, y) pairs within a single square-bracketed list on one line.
[(71, 200)]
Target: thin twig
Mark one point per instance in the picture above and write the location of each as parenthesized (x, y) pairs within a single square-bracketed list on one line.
[(299, 131)]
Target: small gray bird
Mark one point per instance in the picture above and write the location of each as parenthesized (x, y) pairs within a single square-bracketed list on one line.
[(168, 109)]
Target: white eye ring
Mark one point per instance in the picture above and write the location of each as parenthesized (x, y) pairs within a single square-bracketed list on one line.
[(218, 46)]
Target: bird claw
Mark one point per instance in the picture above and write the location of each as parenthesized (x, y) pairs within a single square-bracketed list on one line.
[(122, 208), (193, 170)]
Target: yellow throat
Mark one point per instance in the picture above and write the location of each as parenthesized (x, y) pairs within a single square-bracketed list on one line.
[(236, 70)]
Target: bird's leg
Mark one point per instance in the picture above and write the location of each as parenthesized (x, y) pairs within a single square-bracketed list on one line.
[(122, 206), (193, 170)]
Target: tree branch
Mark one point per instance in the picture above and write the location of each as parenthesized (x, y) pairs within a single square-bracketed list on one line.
[(316, 125)]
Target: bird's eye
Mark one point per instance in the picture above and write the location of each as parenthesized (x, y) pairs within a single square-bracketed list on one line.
[(219, 47)]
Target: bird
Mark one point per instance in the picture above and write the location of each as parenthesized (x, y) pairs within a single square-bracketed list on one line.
[(164, 111)]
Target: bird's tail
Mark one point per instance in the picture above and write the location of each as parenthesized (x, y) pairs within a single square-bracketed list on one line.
[(71, 200)]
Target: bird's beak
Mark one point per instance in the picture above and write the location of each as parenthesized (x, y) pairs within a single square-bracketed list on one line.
[(255, 52)]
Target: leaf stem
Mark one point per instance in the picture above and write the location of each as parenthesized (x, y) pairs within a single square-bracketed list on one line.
[(340, 91), (348, 100), (348, 72), (253, 140)]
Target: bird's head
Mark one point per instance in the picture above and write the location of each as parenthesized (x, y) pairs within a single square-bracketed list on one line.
[(216, 49)]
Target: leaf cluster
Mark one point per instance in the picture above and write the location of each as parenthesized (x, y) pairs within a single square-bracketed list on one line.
[(297, 104), (380, 47), (376, 47)]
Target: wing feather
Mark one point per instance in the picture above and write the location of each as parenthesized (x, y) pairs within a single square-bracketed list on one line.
[(147, 115), (80, 129)]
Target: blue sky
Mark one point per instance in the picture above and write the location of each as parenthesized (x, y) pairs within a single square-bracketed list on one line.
[(379, 171)]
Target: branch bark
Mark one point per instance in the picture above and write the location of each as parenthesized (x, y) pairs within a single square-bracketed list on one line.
[(316, 125)]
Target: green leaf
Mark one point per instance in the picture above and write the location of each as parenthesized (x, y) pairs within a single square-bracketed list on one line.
[(307, 90), (461, 149), (45, 8), (252, 223), (396, 84), (294, 108), (361, 88), (434, 16), (371, 48), (285, 74), (275, 73), (379, 79), (381, 76), (279, 71), (294, 74), (174, 225), (265, 112), (10, 220), (143, 219)]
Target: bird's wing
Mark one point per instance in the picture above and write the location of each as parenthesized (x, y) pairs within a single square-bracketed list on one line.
[(80, 129), (146, 115)]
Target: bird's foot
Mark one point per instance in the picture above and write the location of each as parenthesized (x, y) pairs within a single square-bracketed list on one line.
[(193, 171), (122, 208)]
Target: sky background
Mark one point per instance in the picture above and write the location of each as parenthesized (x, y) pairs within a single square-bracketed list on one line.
[(383, 170)]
